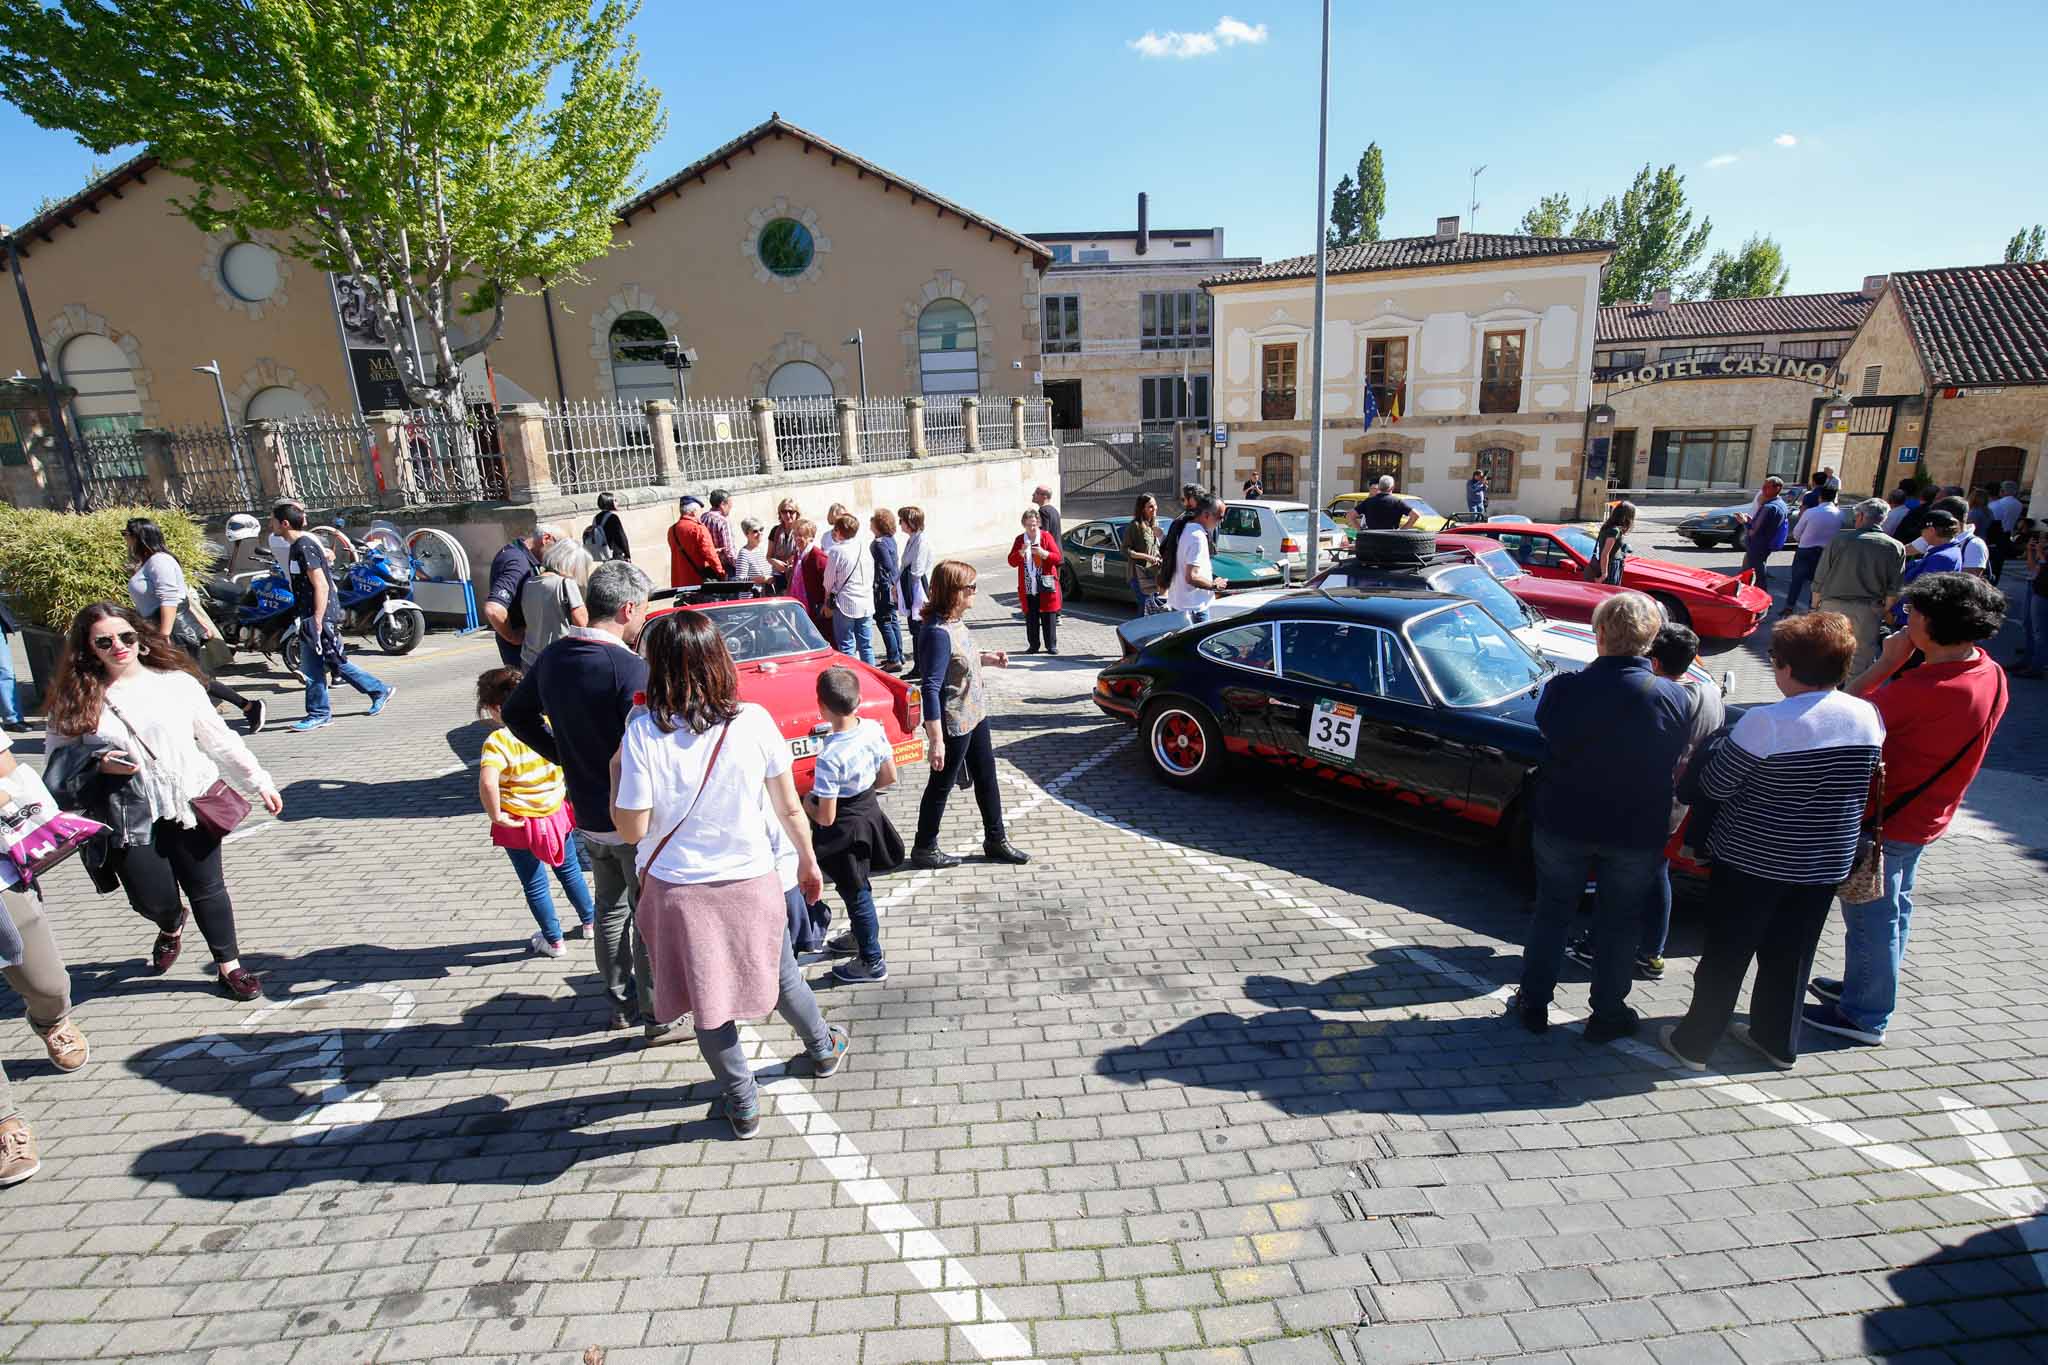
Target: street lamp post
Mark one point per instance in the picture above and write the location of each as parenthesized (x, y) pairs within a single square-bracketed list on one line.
[(56, 414), (860, 355), (227, 422), (1315, 434)]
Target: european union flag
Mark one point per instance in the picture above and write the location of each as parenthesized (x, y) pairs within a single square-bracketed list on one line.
[(1372, 407)]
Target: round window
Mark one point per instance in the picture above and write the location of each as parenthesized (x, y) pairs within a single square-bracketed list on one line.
[(249, 269), (785, 247)]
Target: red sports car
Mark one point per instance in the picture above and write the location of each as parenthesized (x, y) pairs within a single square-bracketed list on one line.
[(1561, 599), (1715, 605), (780, 655)]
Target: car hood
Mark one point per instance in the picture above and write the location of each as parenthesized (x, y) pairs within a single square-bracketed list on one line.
[(1239, 567), (1571, 647), (1662, 573)]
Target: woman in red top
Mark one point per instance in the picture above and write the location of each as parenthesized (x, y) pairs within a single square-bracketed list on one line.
[(1037, 557), (692, 553), (1938, 722), (807, 579)]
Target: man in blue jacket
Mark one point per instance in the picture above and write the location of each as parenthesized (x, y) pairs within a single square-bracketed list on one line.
[(1769, 524), (1602, 811)]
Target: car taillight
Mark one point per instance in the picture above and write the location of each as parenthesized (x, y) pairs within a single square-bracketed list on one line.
[(1123, 687), (1289, 545)]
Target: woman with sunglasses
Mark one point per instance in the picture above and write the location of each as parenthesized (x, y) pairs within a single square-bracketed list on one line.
[(956, 732), (126, 694)]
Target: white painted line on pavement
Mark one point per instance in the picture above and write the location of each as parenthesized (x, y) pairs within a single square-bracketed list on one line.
[(250, 831)]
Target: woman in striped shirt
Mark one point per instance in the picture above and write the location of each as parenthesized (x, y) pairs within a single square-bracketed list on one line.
[(1792, 780), (528, 803)]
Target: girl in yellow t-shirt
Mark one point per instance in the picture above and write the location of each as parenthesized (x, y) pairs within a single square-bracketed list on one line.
[(528, 804)]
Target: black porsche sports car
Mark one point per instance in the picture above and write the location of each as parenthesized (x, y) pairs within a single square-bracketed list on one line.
[(1417, 702)]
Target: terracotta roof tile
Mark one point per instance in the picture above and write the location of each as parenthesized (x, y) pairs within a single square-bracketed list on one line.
[(1980, 324), (1412, 253), (1768, 316)]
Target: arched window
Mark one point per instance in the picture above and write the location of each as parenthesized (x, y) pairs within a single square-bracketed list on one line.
[(948, 357), (106, 399), (1276, 474), (1996, 464), (637, 371), (799, 379), (1498, 465), (276, 402), (1374, 463)]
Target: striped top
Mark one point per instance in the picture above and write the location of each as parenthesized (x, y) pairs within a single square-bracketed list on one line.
[(1793, 781), (529, 786)]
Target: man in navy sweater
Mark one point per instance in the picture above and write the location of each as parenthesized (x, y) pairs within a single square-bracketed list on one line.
[(571, 708), (1602, 810)]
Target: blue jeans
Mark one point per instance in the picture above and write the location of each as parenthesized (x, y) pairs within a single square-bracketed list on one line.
[(313, 664), (849, 632), (1627, 878), (1657, 914), (1804, 562), (892, 639), (10, 708), (2034, 653), (867, 924), (533, 880), (1874, 944)]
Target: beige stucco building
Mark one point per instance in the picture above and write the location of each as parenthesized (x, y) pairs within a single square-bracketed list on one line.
[(1717, 393), (765, 256), (1477, 347)]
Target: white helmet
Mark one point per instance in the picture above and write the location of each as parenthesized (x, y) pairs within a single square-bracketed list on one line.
[(241, 526)]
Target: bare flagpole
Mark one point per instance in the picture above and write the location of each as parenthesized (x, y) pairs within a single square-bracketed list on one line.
[(1315, 435)]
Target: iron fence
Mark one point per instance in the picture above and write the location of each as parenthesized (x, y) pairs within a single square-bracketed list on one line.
[(598, 446), (211, 472), (945, 425), (110, 463), (807, 433), (328, 460), (884, 429), (1037, 422), (715, 439), (452, 459)]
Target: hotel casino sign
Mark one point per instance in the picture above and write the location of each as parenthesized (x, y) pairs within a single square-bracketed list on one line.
[(1819, 373)]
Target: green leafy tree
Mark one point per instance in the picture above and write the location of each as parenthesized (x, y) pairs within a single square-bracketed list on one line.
[(1343, 229), (1656, 245), (455, 152), (1372, 193), (2028, 244), (1753, 272), (1553, 216)]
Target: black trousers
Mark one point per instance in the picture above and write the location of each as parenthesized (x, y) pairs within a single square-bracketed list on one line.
[(1776, 923), (220, 691), (975, 750), (178, 859), (1037, 622)]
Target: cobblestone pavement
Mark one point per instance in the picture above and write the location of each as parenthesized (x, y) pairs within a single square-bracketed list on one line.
[(1222, 1078)]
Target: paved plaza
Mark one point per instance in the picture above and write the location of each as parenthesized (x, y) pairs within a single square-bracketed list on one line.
[(1217, 1078)]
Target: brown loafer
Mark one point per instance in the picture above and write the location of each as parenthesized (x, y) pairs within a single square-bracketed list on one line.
[(241, 983), (168, 946), (68, 1048)]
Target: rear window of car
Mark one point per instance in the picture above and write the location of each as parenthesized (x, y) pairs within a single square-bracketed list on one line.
[(1298, 520), (1500, 564)]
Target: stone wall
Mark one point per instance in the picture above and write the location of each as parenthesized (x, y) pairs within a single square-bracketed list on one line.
[(1759, 406)]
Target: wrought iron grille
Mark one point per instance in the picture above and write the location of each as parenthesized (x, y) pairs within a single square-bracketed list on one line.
[(452, 460), (806, 433), (328, 460), (884, 429), (715, 438), (597, 446), (111, 465), (945, 425), (1037, 422), (211, 471)]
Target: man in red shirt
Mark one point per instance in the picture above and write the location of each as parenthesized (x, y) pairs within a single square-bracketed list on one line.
[(1938, 723), (692, 553)]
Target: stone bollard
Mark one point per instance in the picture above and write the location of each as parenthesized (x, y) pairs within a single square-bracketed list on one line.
[(848, 413), (970, 422), (1017, 422), (158, 469), (523, 440), (661, 424), (270, 462), (913, 421), (764, 437)]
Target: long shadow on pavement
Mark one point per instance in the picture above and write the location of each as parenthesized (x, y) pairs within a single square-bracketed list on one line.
[(1985, 1298)]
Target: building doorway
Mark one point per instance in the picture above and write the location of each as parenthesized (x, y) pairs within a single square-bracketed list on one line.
[(1065, 397), (1621, 460), (1996, 464)]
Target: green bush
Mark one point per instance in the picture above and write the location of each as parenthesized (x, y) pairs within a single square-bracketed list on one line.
[(52, 564)]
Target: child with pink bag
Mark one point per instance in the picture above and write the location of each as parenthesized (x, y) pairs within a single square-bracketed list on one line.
[(528, 803)]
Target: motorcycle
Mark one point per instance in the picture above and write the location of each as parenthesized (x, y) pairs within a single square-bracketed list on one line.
[(252, 601), (375, 596)]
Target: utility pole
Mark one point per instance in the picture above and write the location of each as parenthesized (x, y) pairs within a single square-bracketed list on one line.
[(860, 354), (56, 413), (1315, 435)]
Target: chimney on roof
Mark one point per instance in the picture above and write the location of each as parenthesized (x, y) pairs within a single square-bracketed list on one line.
[(1874, 285), (1144, 231), (1660, 302), (1447, 229)]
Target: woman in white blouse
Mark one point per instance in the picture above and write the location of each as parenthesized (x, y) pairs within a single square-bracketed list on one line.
[(124, 682)]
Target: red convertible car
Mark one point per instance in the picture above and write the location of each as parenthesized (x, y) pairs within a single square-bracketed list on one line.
[(780, 654), (1561, 599), (1715, 605)]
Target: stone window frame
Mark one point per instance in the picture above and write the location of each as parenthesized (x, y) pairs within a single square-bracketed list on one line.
[(750, 243), (216, 245), (946, 285), (266, 373), (793, 347), (75, 319), (630, 298)]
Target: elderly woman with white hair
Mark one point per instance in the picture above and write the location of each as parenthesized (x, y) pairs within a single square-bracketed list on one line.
[(1601, 810), (552, 600)]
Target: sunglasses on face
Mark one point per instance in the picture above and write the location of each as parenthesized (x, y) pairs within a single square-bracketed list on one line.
[(106, 642)]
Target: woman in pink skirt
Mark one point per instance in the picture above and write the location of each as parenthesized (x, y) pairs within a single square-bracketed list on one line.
[(691, 770)]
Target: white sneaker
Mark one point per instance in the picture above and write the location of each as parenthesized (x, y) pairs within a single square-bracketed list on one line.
[(539, 943)]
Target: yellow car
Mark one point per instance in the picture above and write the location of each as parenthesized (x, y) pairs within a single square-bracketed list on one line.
[(1428, 518)]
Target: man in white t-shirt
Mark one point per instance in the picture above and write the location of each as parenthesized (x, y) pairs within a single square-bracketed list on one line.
[(1193, 589), (1817, 526), (2007, 507)]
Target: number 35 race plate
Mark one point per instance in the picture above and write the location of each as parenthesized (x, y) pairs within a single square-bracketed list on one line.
[(1333, 729)]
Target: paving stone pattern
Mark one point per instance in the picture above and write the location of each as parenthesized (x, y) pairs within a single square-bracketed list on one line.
[(1215, 1081)]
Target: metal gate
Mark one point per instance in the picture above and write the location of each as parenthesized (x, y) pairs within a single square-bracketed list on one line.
[(1102, 473)]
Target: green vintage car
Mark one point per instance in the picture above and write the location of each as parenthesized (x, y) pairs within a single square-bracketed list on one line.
[(1092, 561)]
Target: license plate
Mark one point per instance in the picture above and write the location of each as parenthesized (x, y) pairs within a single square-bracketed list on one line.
[(1333, 729), (803, 747)]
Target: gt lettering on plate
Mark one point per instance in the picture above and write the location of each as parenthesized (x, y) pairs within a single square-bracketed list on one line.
[(1097, 564), (804, 746), (1333, 728)]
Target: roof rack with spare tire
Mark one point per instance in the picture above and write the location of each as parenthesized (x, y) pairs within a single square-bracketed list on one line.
[(1393, 547)]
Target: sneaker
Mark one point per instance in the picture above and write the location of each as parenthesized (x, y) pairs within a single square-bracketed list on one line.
[(1741, 1034), (1649, 969), (856, 972), (241, 984), (1826, 988), (300, 727), (1828, 1018), (17, 1152), (828, 1067), (620, 1017), (1535, 1018), (68, 1049), (1600, 1030), (1580, 950), (661, 1035), (540, 943), (382, 700), (1664, 1041), (745, 1122), (841, 945), (256, 715)]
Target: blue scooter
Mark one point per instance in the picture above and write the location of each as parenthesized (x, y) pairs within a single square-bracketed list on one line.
[(375, 596)]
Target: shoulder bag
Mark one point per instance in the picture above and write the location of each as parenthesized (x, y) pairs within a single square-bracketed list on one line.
[(640, 883), (35, 834), (218, 809), (1866, 877)]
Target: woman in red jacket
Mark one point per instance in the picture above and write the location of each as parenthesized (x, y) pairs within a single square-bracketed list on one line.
[(1037, 557)]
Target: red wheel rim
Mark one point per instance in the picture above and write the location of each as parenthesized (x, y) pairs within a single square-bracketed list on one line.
[(1178, 742)]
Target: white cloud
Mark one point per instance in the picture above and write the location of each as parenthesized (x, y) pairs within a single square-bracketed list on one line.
[(1715, 163), (1786, 140), (1228, 32)]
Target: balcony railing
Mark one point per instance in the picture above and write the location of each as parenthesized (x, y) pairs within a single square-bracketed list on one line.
[(1276, 405)]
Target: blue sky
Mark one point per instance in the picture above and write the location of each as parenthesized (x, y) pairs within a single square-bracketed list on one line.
[(1916, 133)]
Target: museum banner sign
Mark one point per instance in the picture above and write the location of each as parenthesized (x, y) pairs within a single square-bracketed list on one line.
[(1820, 373)]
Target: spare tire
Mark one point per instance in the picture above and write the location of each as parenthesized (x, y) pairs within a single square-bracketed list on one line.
[(1393, 547)]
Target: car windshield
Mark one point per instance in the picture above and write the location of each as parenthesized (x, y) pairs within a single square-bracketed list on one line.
[(1297, 520), (1472, 658), (1469, 580), (1501, 565), (765, 630), (1422, 508), (1581, 543)]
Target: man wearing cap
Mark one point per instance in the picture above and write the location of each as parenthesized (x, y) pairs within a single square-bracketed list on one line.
[(692, 553), (1860, 575)]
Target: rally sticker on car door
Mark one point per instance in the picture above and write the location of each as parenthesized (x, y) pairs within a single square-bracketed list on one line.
[(1097, 564), (1333, 728)]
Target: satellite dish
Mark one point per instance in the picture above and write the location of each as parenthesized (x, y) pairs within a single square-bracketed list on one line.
[(440, 555)]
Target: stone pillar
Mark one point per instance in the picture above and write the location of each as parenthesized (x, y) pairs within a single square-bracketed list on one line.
[(522, 435), (271, 463), (1017, 422), (764, 436), (668, 459), (391, 449), (913, 420), (848, 413), (970, 422), (157, 466)]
